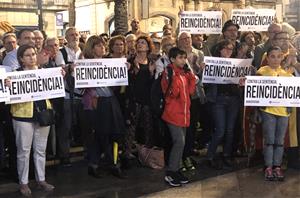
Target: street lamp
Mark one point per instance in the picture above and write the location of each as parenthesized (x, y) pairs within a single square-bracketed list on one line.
[(40, 14)]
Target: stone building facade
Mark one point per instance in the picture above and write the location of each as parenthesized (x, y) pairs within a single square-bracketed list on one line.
[(153, 14), (24, 13), (96, 16)]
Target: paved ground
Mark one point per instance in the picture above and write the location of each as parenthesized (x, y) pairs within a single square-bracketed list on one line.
[(207, 183), (246, 183)]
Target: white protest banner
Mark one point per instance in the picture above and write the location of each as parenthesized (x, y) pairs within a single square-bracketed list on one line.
[(4, 93), (225, 70), (253, 19), (33, 85), (272, 91), (201, 22), (101, 72)]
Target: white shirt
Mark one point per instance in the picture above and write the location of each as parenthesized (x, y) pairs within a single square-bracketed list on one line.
[(72, 56)]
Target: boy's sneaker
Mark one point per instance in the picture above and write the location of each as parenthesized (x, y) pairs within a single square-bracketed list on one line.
[(172, 179), (278, 174), (182, 179), (188, 164), (269, 174)]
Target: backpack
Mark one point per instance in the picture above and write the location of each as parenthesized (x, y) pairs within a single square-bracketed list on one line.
[(157, 96)]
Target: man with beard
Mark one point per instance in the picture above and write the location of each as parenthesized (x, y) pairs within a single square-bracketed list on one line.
[(71, 108)]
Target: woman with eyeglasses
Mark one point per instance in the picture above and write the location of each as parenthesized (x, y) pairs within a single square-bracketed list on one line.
[(225, 102), (28, 131)]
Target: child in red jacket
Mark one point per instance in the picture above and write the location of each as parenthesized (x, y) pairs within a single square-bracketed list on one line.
[(177, 110)]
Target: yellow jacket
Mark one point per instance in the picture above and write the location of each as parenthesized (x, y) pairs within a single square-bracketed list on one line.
[(25, 109)]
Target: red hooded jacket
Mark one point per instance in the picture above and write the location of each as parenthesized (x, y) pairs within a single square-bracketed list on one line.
[(177, 100)]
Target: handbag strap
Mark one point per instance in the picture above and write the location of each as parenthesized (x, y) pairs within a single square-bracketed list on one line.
[(37, 107), (148, 153)]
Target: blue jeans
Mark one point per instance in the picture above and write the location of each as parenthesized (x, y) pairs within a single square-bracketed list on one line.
[(274, 128), (224, 112)]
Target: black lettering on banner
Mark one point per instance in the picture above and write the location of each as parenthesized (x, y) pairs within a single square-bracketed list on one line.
[(105, 72), (2, 86), (36, 85), (78, 72), (94, 73), (200, 22), (182, 22), (253, 91), (252, 20), (206, 69), (248, 92), (272, 92), (226, 71), (123, 73), (267, 92)]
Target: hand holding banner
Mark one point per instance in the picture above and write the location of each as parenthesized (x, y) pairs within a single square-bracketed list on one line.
[(225, 70), (33, 85), (101, 72), (201, 22)]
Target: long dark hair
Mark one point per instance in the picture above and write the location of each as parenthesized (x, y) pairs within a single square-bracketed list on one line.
[(221, 45)]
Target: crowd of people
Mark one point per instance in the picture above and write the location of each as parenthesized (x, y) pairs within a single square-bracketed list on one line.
[(109, 122)]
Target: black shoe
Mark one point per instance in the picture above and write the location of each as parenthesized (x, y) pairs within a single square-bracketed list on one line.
[(65, 162), (214, 164), (95, 172), (116, 171), (171, 179), (182, 179)]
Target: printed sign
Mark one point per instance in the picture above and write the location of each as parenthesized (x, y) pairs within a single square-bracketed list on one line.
[(272, 91), (201, 22), (253, 19), (101, 72), (33, 85), (4, 93), (225, 70)]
